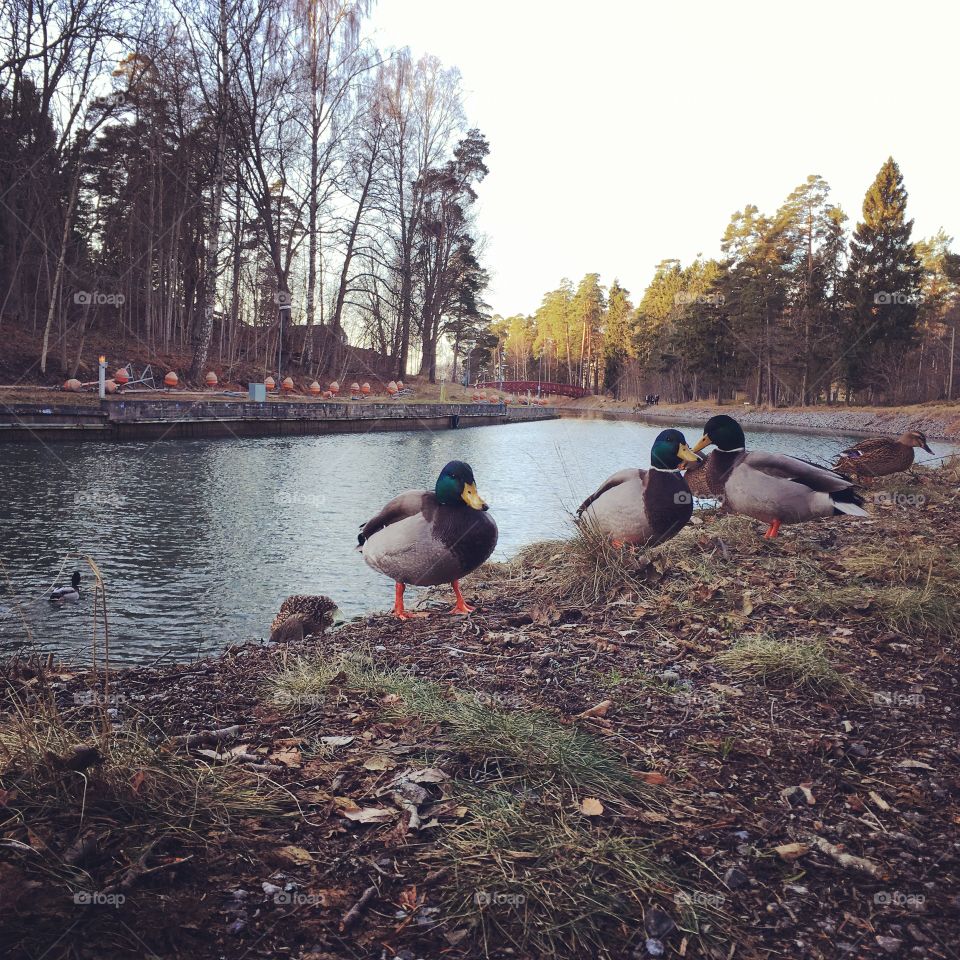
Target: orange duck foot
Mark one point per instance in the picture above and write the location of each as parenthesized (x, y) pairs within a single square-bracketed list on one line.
[(461, 607), (398, 610), (772, 530)]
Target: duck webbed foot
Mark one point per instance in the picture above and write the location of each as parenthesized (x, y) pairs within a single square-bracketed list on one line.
[(398, 609), (461, 607), (772, 530)]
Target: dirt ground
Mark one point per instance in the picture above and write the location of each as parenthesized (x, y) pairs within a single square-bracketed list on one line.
[(729, 747)]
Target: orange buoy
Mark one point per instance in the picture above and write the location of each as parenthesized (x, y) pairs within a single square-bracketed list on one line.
[(171, 379), (270, 383), (110, 386), (122, 377), (315, 389), (365, 389), (392, 387), (327, 394), (288, 384), (399, 384), (73, 385), (211, 379), (354, 387), (334, 387)]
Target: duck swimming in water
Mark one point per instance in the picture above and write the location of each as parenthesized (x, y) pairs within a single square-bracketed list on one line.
[(644, 507), (69, 594), (772, 487), (429, 537)]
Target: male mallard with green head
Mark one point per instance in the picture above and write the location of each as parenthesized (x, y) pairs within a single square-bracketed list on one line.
[(771, 487), (644, 507), (881, 456), (428, 537)]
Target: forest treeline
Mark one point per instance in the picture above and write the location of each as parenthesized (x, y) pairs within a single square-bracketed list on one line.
[(796, 311), (215, 176), (254, 182)]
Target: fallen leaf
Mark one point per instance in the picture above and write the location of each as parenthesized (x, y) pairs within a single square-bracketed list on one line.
[(914, 765), (600, 710), (426, 775), (591, 807), (368, 814), (652, 776), (294, 854), (379, 762), (337, 741), (792, 851), (289, 758)]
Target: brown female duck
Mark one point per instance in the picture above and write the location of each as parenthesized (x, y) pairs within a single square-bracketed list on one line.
[(882, 456)]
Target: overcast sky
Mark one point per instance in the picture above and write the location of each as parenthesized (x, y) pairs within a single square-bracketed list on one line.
[(623, 133)]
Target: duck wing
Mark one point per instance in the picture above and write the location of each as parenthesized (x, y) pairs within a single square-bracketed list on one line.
[(621, 476), (784, 467), (865, 447), (407, 504)]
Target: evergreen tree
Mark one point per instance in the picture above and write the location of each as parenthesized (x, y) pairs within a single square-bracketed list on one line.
[(883, 280), (617, 336)]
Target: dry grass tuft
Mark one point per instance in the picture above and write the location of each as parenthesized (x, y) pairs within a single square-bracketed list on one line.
[(64, 782), (522, 743), (803, 664), (546, 881)]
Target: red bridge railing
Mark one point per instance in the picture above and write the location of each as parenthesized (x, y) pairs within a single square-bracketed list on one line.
[(545, 388)]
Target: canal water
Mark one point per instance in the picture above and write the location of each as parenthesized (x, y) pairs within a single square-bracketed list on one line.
[(199, 541)]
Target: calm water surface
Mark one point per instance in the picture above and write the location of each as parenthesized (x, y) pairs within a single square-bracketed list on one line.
[(200, 540)]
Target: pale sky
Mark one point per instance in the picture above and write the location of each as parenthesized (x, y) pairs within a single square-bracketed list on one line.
[(622, 133)]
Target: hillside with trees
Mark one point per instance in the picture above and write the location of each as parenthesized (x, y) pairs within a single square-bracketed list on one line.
[(795, 311), (252, 184), (234, 181)]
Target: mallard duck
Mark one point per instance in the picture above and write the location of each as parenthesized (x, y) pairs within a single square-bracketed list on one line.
[(428, 537), (69, 594), (696, 476), (881, 456), (772, 487), (644, 507), (301, 615)]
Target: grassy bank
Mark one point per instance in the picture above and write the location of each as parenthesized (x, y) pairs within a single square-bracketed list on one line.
[(728, 747)]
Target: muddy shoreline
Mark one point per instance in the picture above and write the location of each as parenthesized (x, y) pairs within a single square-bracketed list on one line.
[(417, 797)]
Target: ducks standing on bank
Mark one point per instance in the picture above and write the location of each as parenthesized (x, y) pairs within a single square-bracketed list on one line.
[(429, 537), (881, 456), (772, 487), (69, 594), (644, 507), (301, 615)]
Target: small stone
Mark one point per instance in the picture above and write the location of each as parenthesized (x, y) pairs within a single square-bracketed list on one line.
[(654, 947), (658, 922), (735, 878), (890, 945), (237, 927), (858, 749), (270, 888), (670, 676), (241, 894)]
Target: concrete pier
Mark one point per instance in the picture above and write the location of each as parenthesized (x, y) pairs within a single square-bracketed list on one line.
[(170, 418)]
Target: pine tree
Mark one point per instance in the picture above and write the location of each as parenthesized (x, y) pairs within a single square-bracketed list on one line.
[(883, 279)]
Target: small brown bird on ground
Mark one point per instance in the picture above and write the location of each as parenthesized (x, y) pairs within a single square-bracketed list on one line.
[(302, 616), (882, 456)]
